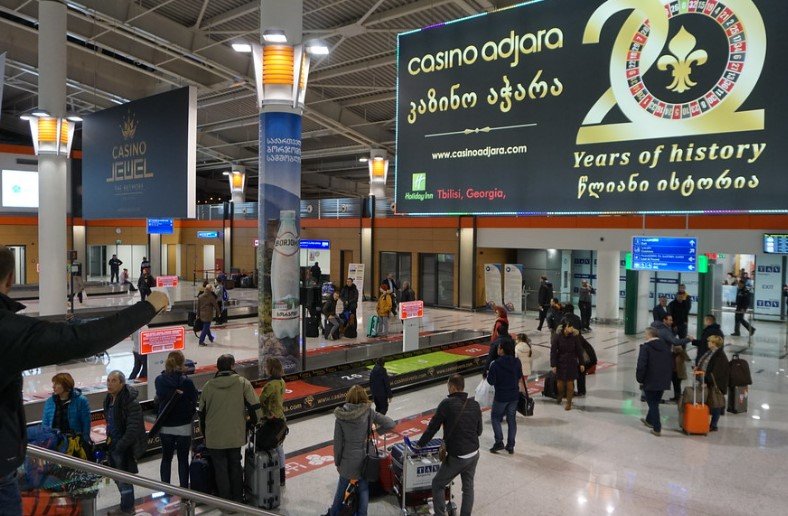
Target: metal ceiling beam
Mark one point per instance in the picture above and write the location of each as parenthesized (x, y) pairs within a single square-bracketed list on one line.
[(371, 99), (361, 66), (334, 152), (465, 6), (241, 10)]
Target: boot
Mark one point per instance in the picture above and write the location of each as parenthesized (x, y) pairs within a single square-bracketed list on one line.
[(560, 386), (570, 393), (282, 477)]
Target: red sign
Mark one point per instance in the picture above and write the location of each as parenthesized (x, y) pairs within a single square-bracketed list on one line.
[(160, 340), (411, 310), (167, 281)]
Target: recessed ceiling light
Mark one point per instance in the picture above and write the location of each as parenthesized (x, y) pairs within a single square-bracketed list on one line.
[(74, 118), (274, 36), (244, 48), (317, 49), (40, 113), (25, 117), (363, 160)]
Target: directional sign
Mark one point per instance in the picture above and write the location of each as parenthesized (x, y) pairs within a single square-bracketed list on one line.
[(677, 254)]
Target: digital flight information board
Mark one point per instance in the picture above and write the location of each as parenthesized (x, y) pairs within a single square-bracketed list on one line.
[(775, 244), (676, 254)]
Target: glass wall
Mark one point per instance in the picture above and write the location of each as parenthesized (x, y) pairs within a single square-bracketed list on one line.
[(437, 279), (399, 264)]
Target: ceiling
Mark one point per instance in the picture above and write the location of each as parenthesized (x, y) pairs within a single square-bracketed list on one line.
[(120, 50)]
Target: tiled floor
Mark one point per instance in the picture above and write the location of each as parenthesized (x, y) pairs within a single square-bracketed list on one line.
[(597, 459)]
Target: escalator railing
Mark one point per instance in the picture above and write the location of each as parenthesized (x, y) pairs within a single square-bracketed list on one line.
[(92, 492)]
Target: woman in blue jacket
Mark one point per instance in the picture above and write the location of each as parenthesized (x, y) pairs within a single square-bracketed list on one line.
[(67, 410), (176, 430)]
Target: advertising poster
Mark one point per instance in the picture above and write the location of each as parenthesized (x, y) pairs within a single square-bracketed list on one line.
[(513, 287), (140, 158), (768, 287), (279, 225), (493, 294), (2, 79), (633, 106)]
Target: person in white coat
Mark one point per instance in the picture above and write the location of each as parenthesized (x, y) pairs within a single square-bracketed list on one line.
[(525, 353)]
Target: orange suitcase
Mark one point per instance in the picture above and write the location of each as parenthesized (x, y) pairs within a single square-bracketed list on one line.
[(696, 419)]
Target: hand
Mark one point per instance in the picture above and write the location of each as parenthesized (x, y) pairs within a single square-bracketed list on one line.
[(582, 369), (555, 370), (159, 300)]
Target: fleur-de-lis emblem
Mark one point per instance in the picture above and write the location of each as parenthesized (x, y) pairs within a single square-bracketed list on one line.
[(128, 126), (682, 46)]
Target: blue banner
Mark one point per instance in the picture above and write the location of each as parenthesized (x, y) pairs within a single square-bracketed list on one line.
[(140, 158), (279, 227)]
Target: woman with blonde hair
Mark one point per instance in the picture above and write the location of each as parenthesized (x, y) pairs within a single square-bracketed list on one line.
[(173, 386), (354, 420), (272, 399), (714, 363)]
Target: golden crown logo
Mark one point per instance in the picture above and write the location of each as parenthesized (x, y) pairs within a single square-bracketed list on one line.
[(128, 126)]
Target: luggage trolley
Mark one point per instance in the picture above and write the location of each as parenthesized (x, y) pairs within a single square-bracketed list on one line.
[(414, 469)]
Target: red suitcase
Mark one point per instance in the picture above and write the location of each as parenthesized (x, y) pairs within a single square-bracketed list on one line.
[(696, 419), (386, 474)]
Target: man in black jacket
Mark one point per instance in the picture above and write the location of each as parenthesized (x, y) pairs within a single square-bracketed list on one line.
[(660, 310), (349, 296), (380, 386), (654, 372), (742, 305), (461, 418), (710, 327), (29, 343), (114, 269), (126, 437), (680, 308), (543, 298)]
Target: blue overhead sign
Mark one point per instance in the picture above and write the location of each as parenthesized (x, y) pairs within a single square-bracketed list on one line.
[(160, 227), (315, 244), (207, 234), (677, 254)]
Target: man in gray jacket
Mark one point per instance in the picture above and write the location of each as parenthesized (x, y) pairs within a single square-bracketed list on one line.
[(665, 331), (586, 291)]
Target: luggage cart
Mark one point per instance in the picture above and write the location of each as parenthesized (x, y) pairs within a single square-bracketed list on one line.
[(413, 470)]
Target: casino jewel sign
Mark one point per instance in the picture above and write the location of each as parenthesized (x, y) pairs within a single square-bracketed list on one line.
[(657, 87)]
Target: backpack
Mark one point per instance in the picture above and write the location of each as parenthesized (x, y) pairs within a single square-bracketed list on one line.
[(739, 375)]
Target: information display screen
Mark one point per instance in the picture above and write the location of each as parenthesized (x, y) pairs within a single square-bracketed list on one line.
[(20, 189), (160, 227), (775, 244), (207, 234), (570, 107), (677, 254)]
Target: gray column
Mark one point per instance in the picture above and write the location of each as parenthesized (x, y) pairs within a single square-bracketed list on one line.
[(607, 285), (52, 186)]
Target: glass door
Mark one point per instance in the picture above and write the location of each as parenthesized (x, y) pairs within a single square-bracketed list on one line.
[(445, 276), (428, 283), (20, 269)]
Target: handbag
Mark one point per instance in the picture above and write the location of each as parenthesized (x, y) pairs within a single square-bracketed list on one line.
[(716, 399), (525, 405), (271, 433), (371, 469), (443, 451)]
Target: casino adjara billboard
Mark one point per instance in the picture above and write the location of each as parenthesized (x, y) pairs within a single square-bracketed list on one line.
[(619, 106)]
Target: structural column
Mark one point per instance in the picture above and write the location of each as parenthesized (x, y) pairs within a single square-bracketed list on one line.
[(607, 286), (281, 72), (52, 169)]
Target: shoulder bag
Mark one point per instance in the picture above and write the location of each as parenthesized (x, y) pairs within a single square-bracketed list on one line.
[(443, 452), (716, 399), (371, 468), (525, 404)]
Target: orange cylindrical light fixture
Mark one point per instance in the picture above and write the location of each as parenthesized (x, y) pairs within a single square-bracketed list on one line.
[(278, 64)]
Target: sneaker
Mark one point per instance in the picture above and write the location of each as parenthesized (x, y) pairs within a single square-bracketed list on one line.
[(736, 334), (203, 344), (510, 450), (654, 432), (674, 399), (496, 448), (713, 429), (752, 331), (643, 420)]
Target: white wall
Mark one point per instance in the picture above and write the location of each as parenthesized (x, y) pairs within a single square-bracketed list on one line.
[(710, 241)]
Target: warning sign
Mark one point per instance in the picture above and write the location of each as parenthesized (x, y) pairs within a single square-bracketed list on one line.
[(161, 340)]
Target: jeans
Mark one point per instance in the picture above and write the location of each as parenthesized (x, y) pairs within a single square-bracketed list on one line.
[(653, 398), (10, 499), (676, 386), (542, 315), (363, 496), (114, 276), (383, 326), (715, 416), (449, 469), (228, 472), (585, 314), (169, 445), (206, 332), (739, 321), (124, 462), (332, 325), (499, 410), (140, 366)]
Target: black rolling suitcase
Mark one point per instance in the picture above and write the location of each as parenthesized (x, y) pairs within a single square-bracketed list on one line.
[(550, 386), (312, 327)]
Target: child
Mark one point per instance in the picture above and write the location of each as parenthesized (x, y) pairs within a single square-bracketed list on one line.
[(384, 310), (525, 353)]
